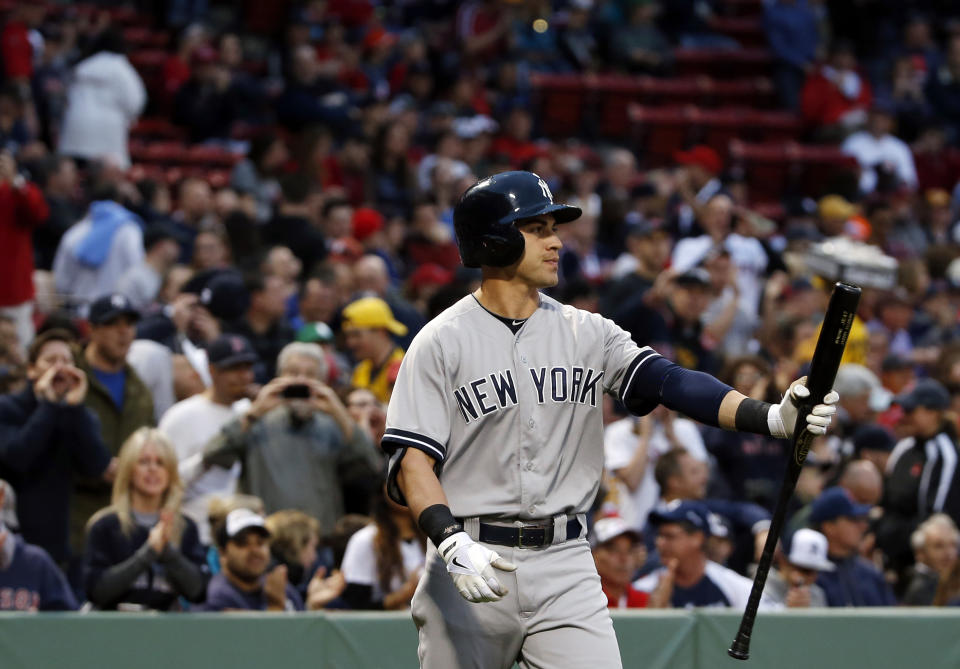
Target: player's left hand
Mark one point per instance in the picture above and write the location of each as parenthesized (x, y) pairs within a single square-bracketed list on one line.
[(783, 416)]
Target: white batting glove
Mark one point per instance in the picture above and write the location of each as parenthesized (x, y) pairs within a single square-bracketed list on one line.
[(783, 417), (471, 567)]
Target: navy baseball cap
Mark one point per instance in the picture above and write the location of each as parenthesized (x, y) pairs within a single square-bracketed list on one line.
[(225, 296), (685, 511), (928, 394), (696, 276), (873, 437), (110, 307), (836, 503), (229, 350)]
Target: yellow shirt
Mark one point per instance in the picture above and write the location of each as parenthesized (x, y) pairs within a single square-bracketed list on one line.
[(375, 380), (856, 350)]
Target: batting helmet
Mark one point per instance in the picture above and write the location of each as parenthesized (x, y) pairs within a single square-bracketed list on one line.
[(485, 218)]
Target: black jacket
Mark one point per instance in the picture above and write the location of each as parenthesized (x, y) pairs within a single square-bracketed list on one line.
[(42, 446)]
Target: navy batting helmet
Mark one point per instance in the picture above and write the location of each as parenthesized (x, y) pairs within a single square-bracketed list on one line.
[(485, 218)]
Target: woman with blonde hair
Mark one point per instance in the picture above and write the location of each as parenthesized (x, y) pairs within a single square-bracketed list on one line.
[(141, 552)]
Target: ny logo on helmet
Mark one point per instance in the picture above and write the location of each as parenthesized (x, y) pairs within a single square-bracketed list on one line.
[(545, 188)]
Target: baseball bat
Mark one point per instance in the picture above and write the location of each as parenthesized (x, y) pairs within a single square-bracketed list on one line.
[(823, 369)]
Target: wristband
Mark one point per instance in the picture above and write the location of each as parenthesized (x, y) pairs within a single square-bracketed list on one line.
[(438, 523), (752, 417)]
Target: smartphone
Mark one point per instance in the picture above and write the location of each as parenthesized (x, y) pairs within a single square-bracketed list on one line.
[(296, 391)]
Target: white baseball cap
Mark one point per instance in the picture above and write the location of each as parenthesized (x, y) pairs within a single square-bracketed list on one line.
[(808, 549), (242, 520), (606, 529)]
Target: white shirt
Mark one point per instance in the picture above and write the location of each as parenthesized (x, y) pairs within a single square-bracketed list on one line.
[(104, 98), (734, 587), (619, 445), (84, 283), (746, 253), (359, 564), (190, 424), (870, 151)]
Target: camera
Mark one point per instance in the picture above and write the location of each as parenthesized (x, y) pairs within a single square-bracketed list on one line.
[(296, 391)]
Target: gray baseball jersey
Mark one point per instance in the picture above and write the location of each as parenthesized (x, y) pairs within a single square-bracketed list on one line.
[(513, 420)]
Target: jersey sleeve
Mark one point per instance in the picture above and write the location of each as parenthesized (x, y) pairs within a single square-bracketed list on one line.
[(418, 415), (622, 358)]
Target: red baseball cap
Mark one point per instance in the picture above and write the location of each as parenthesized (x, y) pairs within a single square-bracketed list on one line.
[(430, 273), (701, 155), (366, 221)]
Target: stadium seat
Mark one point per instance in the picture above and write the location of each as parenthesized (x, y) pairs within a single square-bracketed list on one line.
[(774, 169), (156, 128), (747, 30), (562, 100), (659, 132), (724, 63)]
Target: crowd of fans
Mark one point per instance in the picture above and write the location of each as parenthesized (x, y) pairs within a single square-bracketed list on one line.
[(194, 374)]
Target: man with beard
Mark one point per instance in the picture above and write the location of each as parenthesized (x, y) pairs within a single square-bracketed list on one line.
[(297, 444), (116, 394), (244, 584), (191, 423)]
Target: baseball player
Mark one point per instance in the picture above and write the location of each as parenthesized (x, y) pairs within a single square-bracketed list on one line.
[(495, 435)]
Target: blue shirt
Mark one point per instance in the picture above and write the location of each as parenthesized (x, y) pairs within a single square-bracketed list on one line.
[(222, 594), (33, 582), (115, 383)]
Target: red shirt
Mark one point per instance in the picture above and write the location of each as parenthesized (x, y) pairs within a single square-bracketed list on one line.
[(17, 51), (824, 104), (21, 210), (634, 599)]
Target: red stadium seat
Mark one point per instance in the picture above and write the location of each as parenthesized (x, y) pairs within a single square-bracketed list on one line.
[(724, 63), (142, 37), (562, 100), (747, 30), (659, 132), (156, 128), (209, 157), (774, 168)]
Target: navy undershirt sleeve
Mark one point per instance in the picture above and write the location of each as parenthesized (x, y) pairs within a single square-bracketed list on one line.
[(659, 381)]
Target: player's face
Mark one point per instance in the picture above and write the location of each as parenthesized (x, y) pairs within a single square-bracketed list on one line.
[(540, 264)]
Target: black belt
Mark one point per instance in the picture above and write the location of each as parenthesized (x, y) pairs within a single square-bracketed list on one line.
[(532, 536)]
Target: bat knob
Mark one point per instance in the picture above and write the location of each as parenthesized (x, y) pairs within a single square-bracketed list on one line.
[(740, 650)]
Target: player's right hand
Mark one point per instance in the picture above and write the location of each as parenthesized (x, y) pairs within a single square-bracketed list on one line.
[(471, 567)]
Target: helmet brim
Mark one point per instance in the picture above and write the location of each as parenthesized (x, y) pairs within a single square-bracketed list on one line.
[(562, 213)]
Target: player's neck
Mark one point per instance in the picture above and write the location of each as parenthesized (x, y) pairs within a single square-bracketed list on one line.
[(507, 298)]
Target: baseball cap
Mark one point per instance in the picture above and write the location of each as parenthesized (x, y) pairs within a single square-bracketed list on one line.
[(808, 549), (229, 350), (315, 333), (366, 221), (430, 274), (835, 503), (225, 296), (683, 511), (928, 394), (696, 276), (607, 529), (835, 206), (8, 512), (872, 437), (240, 521), (701, 155), (372, 312), (107, 308), (643, 228)]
